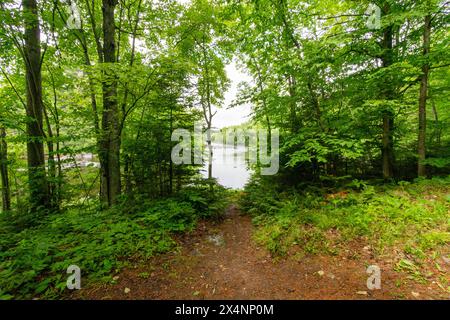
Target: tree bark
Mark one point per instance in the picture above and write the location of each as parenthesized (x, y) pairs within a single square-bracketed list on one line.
[(388, 118), (110, 138), (421, 168), (51, 163), (263, 100), (37, 179), (6, 193), (208, 115), (56, 195), (170, 161), (436, 123)]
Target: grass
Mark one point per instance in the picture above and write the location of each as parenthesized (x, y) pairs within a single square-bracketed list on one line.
[(412, 216), (33, 261)]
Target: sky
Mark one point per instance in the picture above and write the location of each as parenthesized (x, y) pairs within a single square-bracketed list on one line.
[(226, 116), (229, 117)]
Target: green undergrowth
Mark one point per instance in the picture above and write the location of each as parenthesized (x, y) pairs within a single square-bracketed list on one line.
[(414, 216), (33, 261)]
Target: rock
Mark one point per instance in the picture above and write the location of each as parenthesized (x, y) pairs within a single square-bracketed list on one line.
[(362, 293), (331, 276), (367, 248), (446, 260), (320, 273), (115, 278), (415, 294), (127, 290), (216, 239)]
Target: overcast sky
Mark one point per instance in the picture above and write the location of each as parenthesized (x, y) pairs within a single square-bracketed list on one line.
[(228, 117)]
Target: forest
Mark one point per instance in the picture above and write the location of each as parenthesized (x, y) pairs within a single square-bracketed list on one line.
[(353, 99)]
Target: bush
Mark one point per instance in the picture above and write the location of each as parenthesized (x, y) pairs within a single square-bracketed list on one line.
[(33, 262), (414, 215)]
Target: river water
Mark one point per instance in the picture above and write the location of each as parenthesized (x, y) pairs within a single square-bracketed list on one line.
[(229, 170)]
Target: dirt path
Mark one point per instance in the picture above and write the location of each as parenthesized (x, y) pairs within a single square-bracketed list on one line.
[(221, 261)]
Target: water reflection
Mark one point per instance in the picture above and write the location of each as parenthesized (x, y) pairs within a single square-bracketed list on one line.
[(229, 170)]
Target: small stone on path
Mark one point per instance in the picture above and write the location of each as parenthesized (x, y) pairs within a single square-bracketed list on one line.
[(216, 239), (363, 293)]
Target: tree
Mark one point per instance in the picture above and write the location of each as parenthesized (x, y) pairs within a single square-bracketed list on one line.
[(421, 169), (39, 193), (6, 192), (387, 58), (110, 137), (202, 28)]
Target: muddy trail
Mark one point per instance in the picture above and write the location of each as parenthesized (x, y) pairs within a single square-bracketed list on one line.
[(220, 260)]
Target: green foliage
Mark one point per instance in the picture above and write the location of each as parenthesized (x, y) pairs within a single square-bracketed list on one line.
[(33, 262), (410, 268), (414, 216), (320, 76), (326, 80)]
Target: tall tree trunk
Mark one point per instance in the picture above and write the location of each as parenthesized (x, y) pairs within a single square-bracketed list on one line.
[(421, 169), (316, 105), (96, 121), (388, 149), (170, 161), (388, 118), (39, 194), (6, 193), (51, 163), (110, 138), (128, 176), (293, 103), (208, 115), (263, 99), (56, 197), (436, 123)]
